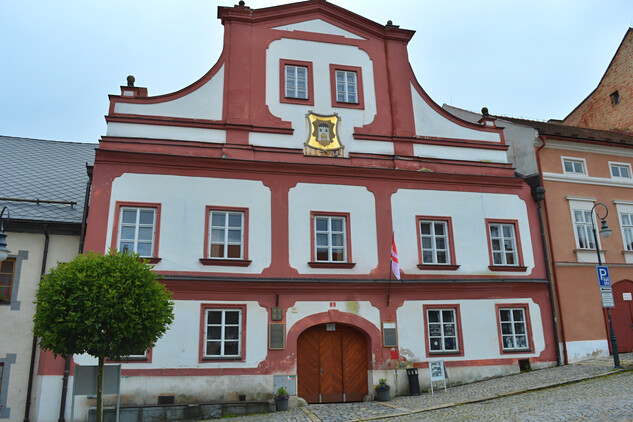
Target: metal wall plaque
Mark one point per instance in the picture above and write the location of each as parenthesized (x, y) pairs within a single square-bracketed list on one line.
[(276, 314), (277, 336), (389, 334)]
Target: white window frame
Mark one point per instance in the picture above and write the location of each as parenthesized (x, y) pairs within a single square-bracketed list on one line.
[(626, 223), (620, 166), (329, 233), (442, 325), (574, 160), (502, 252), (223, 340), (345, 92), (225, 228), (137, 226), (511, 326), (292, 82), (434, 237), (583, 227)]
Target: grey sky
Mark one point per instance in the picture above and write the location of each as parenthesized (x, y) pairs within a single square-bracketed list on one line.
[(527, 58)]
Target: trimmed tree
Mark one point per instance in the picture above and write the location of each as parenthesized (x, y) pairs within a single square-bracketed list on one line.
[(104, 305)]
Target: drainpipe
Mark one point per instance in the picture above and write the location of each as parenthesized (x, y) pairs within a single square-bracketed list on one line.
[(82, 235), (29, 388), (563, 358), (539, 195)]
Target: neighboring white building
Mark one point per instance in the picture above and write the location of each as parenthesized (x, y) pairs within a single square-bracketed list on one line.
[(44, 187)]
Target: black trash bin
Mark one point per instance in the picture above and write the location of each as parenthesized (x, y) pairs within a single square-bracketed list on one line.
[(414, 382)]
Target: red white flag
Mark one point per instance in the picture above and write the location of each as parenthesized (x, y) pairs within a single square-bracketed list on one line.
[(395, 265)]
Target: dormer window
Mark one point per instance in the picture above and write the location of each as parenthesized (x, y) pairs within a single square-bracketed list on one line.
[(615, 98)]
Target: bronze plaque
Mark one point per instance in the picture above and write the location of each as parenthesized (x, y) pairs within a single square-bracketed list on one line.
[(276, 336), (276, 314)]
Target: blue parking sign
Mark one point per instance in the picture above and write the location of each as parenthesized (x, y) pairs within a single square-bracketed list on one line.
[(603, 276)]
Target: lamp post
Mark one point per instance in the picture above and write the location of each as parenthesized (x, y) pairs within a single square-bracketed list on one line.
[(605, 232), (4, 221)]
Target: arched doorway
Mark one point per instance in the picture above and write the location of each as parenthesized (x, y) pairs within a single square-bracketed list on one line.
[(622, 315), (332, 364)]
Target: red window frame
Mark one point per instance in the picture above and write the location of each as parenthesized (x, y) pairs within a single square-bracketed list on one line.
[(5, 298), (520, 267), (348, 241), (528, 327), (282, 82), (451, 244), (117, 221), (203, 323), (359, 87), (207, 260), (458, 327), (127, 359)]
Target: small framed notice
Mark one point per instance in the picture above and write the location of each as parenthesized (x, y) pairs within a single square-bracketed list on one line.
[(276, 336), (627, 296), (389, 334)]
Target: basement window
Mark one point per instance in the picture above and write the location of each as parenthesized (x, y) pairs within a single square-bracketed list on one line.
[(615, 98)]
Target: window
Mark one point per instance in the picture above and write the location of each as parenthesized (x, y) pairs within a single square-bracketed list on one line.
[(347, 86), (615, 98), (442, 330), (622, 171), (627, 229), (7, 269), (222, 333), (330, 239), (226, 234), (137, 230), (295, 82), (514, 328), (435, 243), (503, 244), (574, 166), (583, 227)]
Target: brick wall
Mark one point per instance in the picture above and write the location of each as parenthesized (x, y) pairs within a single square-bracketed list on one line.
[(598, 110)]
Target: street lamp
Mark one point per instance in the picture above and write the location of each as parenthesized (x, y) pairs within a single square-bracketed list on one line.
[(4, 252), (605, 232)]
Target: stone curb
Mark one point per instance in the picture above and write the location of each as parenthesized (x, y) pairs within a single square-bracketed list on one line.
[(492, 397)]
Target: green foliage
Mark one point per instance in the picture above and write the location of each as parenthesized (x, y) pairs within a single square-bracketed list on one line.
[(104, 305), (281, 394)]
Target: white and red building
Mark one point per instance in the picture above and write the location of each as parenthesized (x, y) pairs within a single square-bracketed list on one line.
[(267, 194)]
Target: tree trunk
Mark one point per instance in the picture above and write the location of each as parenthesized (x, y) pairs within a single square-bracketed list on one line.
[(99, 415)]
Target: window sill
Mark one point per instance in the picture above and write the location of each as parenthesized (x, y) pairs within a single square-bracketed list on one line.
[(220, 358), (318, 264), (451, 353), (438, 267), (515, 268), (348, 105), (152, 260), (300, 101), (226, 262), (511, 351)]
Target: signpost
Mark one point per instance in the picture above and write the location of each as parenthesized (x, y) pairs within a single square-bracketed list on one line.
[(604, 281)]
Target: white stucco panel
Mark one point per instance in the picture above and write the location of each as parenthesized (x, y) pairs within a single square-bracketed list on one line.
[(126, 130), (479, 329), (301, 310), (183, 201), (318, 26), (468, 211), (321, 55), (429, 122), (460, 153), (180, 346), (355, 200), (203, 103)]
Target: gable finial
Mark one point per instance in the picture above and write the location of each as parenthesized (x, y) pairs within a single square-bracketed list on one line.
[(130, 80)]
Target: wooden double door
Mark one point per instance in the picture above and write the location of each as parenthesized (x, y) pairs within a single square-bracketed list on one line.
[(332, 363)]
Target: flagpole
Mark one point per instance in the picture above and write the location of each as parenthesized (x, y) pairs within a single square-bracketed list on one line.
[(389, 285)]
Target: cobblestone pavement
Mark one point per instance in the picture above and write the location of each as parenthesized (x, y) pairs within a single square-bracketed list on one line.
[(499, 396)]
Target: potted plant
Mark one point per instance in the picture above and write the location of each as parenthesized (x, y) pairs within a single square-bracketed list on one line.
[(382, 390), (281, 398)]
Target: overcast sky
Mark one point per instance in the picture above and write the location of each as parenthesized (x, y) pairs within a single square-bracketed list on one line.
[(526, 58)]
